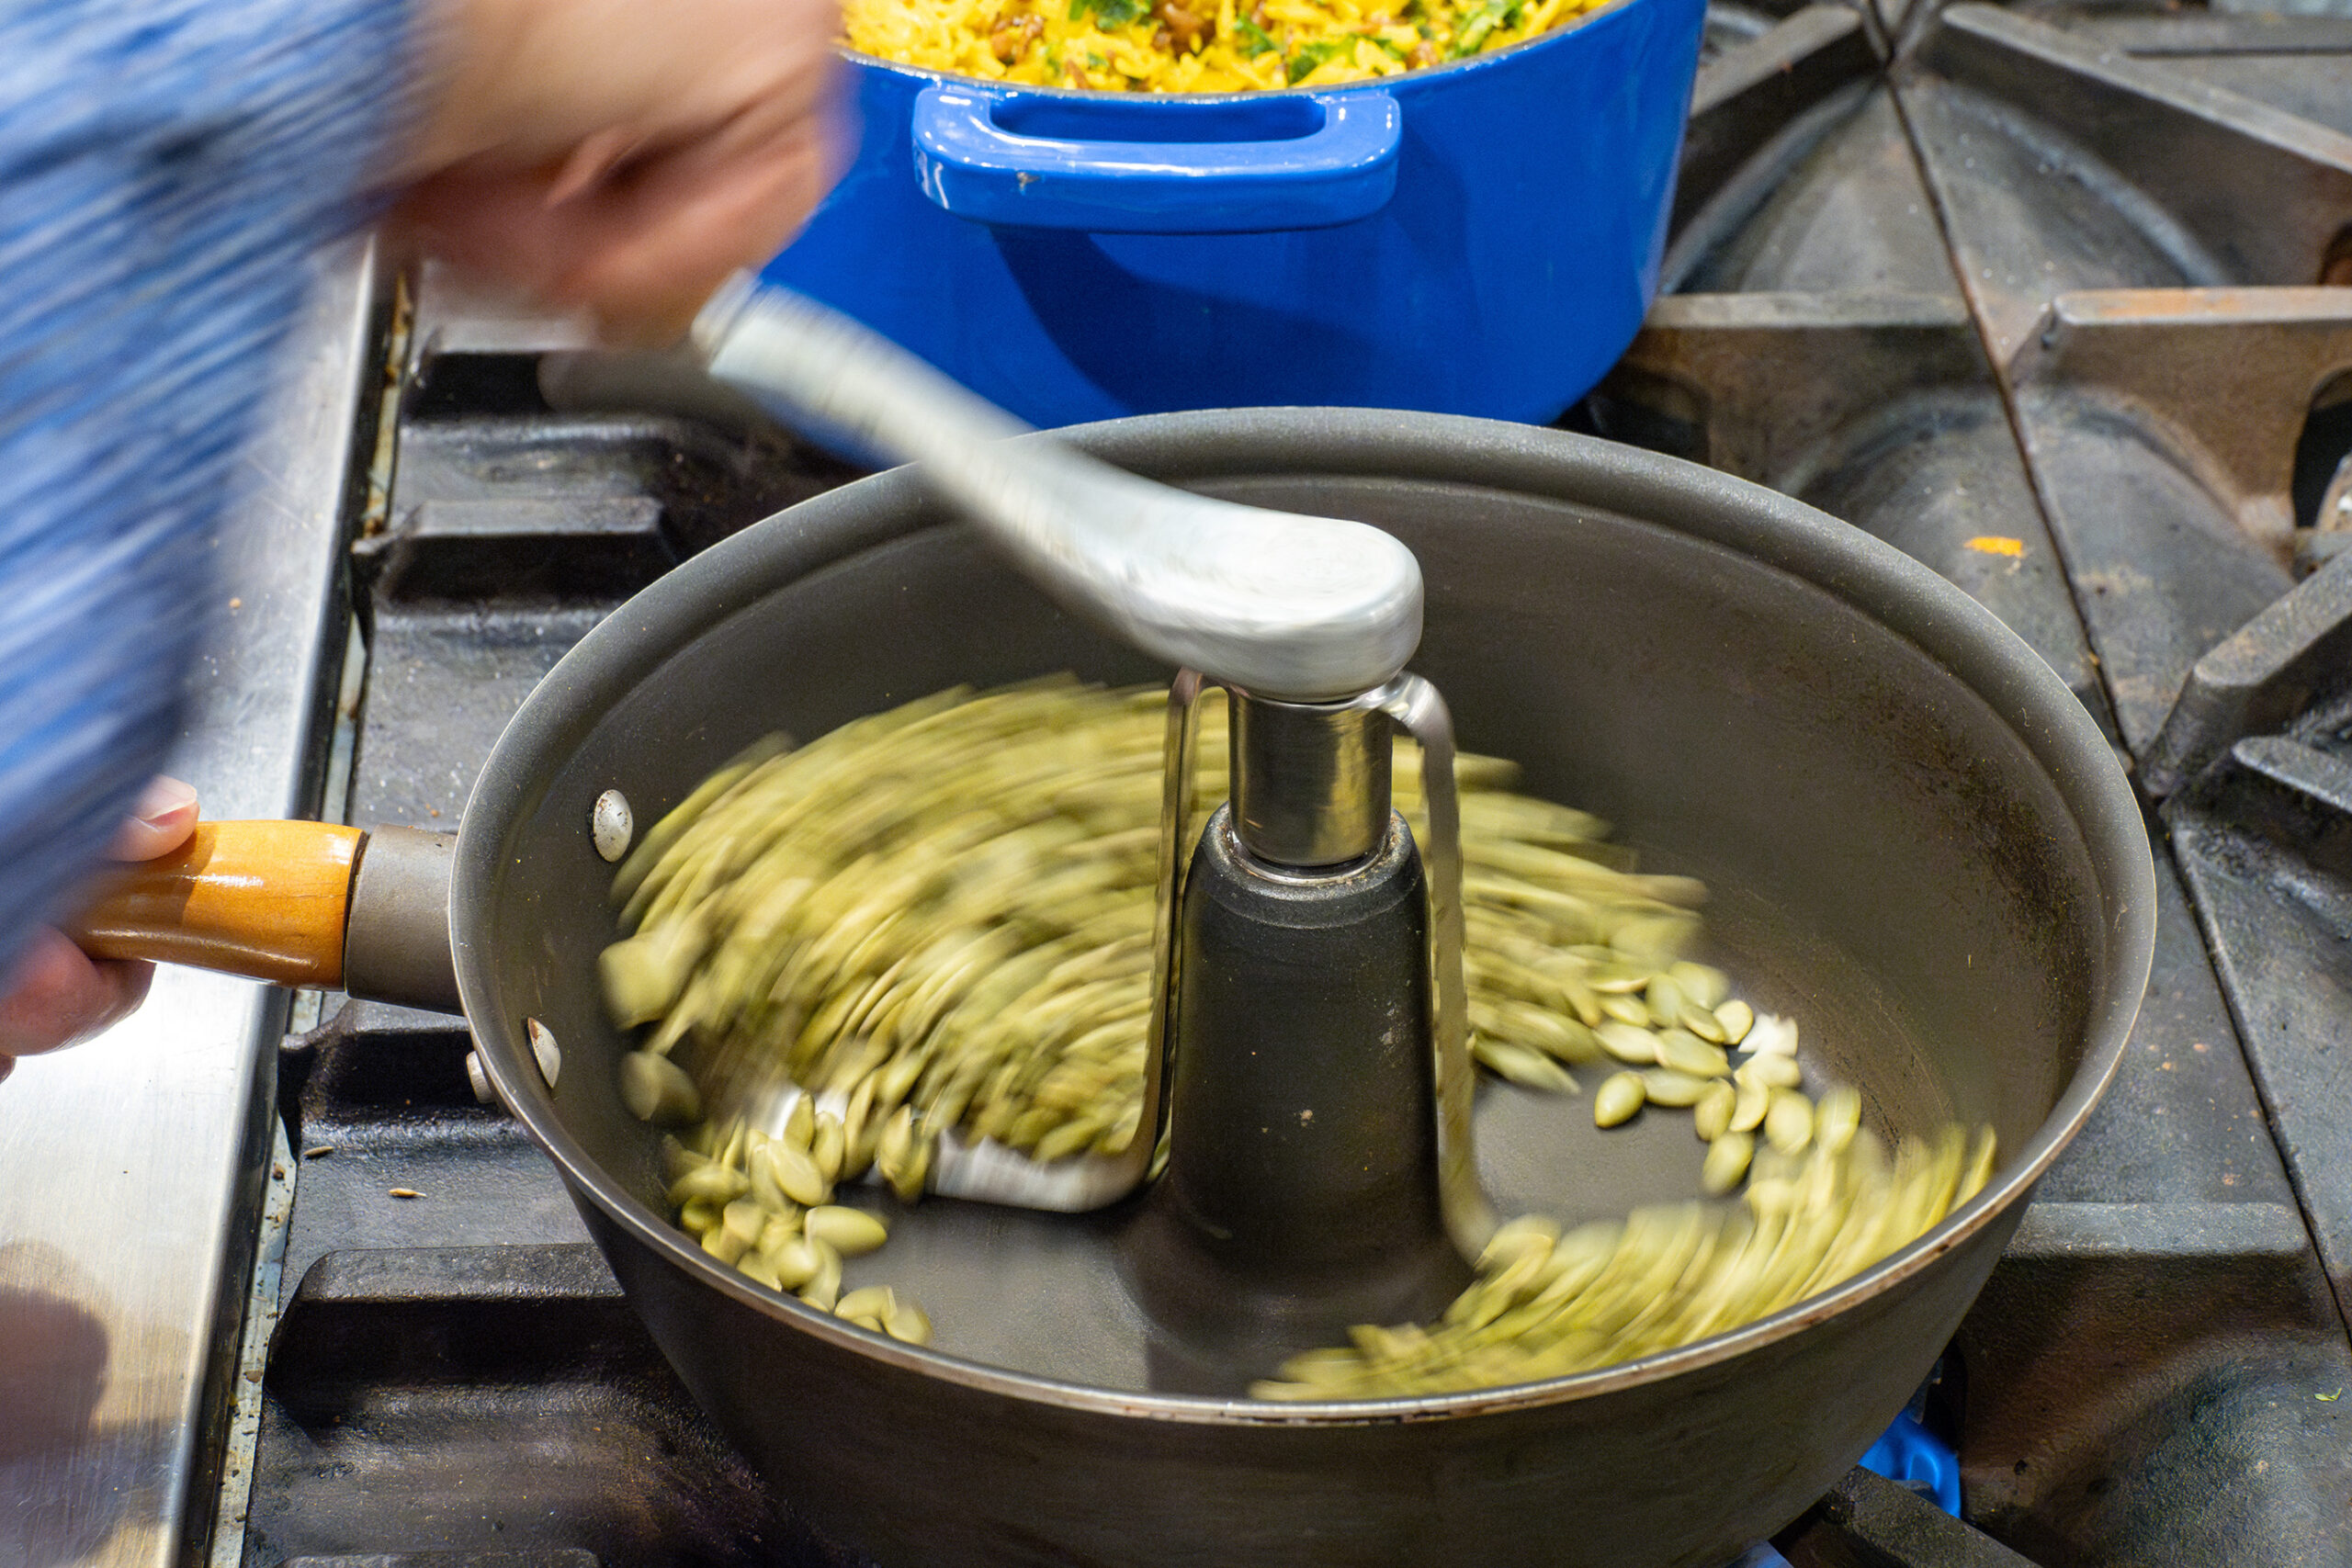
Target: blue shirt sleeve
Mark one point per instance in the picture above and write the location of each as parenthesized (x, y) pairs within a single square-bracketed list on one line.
[(165, 166)]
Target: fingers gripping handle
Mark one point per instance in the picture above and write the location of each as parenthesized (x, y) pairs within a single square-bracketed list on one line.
[(1306, 609)]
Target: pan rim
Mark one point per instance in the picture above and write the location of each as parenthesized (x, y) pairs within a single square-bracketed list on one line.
[(1908, 598)]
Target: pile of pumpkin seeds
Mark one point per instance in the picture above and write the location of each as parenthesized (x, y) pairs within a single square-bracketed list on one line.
[(762, 1205), (939, 918), (1546, 1305)]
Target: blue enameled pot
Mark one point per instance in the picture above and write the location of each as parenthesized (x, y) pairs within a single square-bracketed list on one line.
[(1482, 238)]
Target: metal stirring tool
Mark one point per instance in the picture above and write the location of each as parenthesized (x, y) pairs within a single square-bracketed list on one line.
[(1306, 622)]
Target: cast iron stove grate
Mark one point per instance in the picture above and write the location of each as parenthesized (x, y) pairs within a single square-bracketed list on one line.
[(2048, 298)]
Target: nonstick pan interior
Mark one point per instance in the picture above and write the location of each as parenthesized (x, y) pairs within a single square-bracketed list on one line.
[(1916, 842)]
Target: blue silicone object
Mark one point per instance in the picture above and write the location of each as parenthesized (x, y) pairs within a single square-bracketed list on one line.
[(1246, 166), (1239, 250), (1909, 1453)]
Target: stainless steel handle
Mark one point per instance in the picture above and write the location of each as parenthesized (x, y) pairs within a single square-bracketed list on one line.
[(1306, 609)]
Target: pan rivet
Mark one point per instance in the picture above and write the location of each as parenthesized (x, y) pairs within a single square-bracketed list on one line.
[(609, 825), (544, 1050), (480, 1079)]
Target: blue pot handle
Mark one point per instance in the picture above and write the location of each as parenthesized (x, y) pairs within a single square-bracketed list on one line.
[(1139, 165)]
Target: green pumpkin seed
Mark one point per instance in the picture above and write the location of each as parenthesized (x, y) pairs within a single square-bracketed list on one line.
[(724, 1244), (1663, 1085), (1727, 1159), (1618, 1098), (872, 1301), (1698, 1021), (853, 1232), (1685, 1052), (825, 1288), (1773, 1072), (1635, 1047), (1664, 1001), (797, 1172), (796, 1263), (1530, 1235), (698, 1216), (1836, 1119), (655, 1090), (907, 1323), (1626, 1010), (779, 1229), (1712, 1115), (746, 1218), (1703, 986), (1522, 1066), (1737, 1018), (800, 1122), (713, 1183), (828, 1146), (755, 1266), (1788, 1125), (1752, 1099)]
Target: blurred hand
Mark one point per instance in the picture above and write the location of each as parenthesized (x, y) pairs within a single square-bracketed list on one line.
[(624, 155), (58, 993)]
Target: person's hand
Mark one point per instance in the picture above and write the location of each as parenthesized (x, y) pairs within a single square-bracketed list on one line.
[(623, 155), (57, 994)]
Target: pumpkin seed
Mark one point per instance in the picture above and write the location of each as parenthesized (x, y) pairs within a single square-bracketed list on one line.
[(1635, 1047), (1703, 986), (1698, 1021), (868, 1300), (779, 1229), (1737, 1018), (1681, 1051), (1712, 1115), (825, 1288), (1663, 1085), (1626, 1010), (853, 1232), (756, 1266), (1773, 1072), (1836, 1119), (797, 1172), (724, 1244), (907, 1323), (1528, 1236), (714, 1183), (1618, 1098), (1727, 1159), (745, 1218), (1664, 1001), (800, 1122), (1523, 1065), (655, 1090), (828, 1146), (1788, 1125), (796, 1263), (1752, 1098)]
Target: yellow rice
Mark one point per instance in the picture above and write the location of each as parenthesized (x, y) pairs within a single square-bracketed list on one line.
[(1192, 46)]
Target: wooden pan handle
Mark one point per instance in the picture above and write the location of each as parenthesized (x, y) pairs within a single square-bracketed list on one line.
[(263, 899)]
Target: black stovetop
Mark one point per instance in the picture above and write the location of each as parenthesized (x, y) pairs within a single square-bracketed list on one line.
[(2031, 293)]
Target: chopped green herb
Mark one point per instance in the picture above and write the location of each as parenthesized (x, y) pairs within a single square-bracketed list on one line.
[(1308, 56), (1110, 14), (1255, 39)]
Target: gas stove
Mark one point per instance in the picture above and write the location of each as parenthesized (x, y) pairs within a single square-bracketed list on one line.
[(2052, 299)]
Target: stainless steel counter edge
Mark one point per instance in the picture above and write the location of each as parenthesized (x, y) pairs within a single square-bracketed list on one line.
[(130, 1166)]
